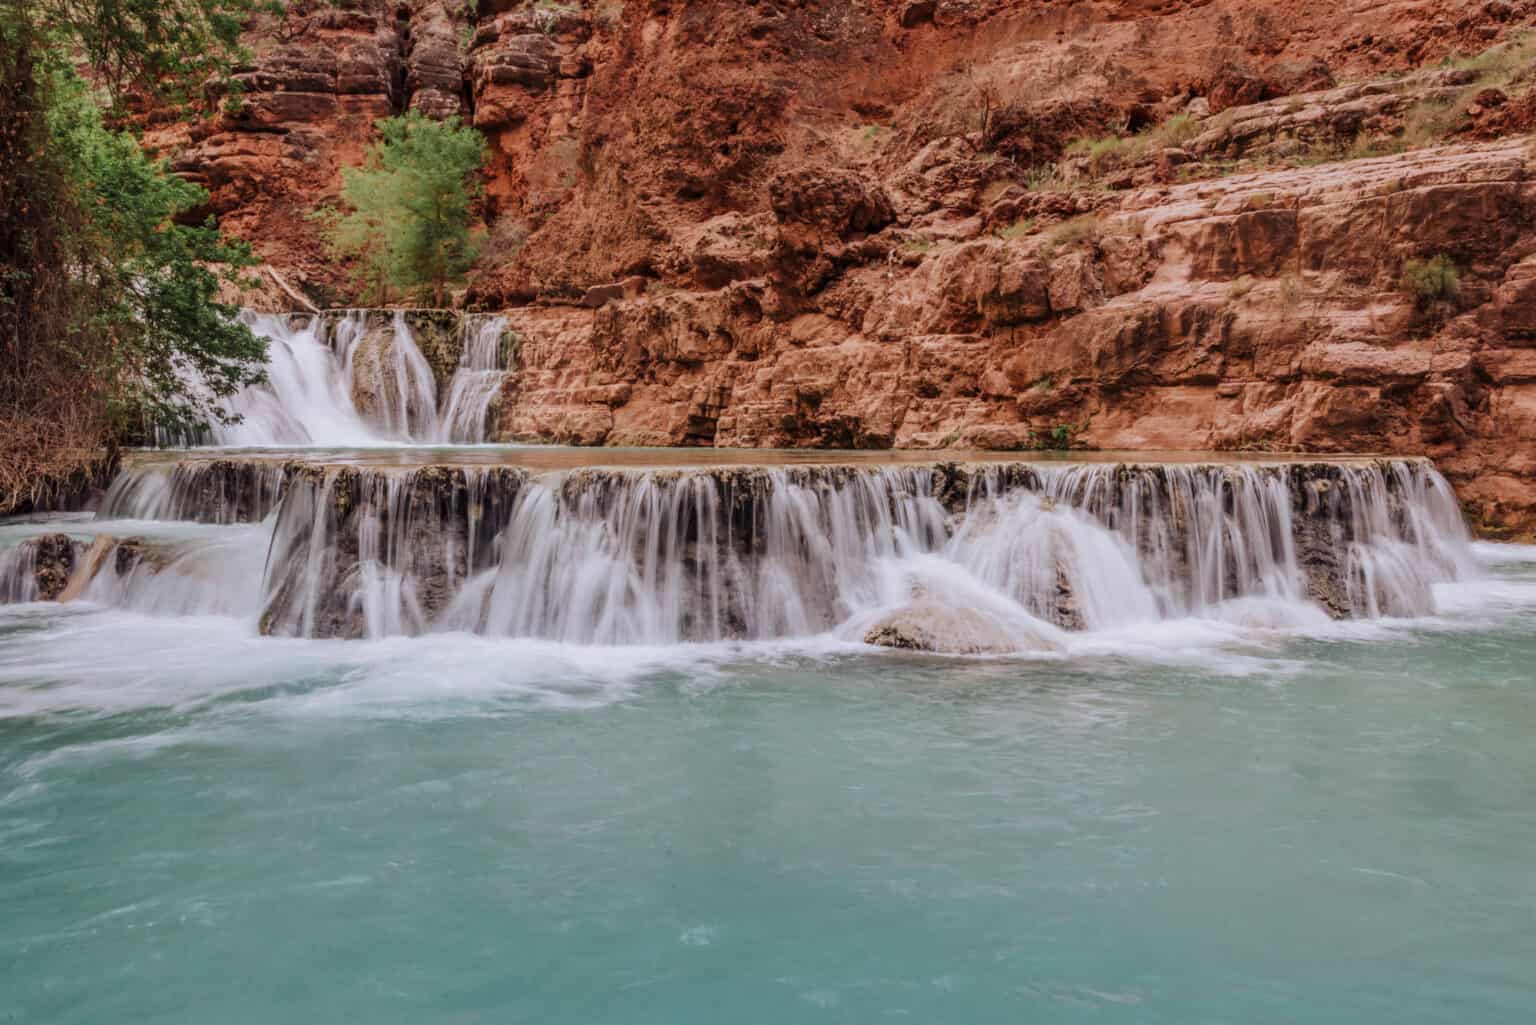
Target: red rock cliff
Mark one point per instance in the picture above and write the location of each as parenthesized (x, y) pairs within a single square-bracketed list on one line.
[(798, 223)]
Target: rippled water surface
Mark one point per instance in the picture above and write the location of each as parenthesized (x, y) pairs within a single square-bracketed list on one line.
[(1194, 825)]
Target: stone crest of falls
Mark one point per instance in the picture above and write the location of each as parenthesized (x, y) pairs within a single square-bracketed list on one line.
[(1014, 555)]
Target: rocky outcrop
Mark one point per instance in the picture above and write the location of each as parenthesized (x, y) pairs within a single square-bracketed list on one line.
[(37, 569), (53, 561), (1259, 311)]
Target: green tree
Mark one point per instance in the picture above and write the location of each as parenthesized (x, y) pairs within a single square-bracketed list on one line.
[(150, 284), (411, 207), (105, 299)]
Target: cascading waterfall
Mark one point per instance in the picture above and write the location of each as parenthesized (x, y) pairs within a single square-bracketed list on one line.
[(387, 376), (476, 382), (306, 398), (18, 573), (201, 491), (360, 378), (183, 577), (1032, 553)]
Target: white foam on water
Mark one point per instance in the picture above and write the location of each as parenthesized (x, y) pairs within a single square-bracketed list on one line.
[(1494, 553)]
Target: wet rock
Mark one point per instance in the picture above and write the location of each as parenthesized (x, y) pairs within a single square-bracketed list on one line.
[(350, 543), (937, 627), (53, 562)]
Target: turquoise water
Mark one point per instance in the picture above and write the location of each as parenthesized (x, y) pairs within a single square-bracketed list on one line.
[(199, 825)]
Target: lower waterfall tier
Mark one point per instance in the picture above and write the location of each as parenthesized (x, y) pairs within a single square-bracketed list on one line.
[(970, 557)]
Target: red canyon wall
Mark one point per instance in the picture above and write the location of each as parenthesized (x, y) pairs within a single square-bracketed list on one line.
[(799, 223)]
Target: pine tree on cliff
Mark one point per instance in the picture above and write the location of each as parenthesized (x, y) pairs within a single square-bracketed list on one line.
[(106, 302), (411, 207)]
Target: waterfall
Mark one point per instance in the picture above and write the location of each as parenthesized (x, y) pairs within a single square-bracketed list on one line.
[(18, 573), (387, 376), (1009, 554), (306, 398), (359, 378), (201, 491), (476, 382), (36, 568), (630, 557)]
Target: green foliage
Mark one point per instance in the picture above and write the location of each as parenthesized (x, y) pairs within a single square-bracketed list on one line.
[(1116, 150), (1060, 437), (154, 287), (108, 292), (1018, 229), (412, 207), (168, 48), (511, 347), (1042, 177), (1362, 147), (1075, 230), (1431, 281), (1498, 67)]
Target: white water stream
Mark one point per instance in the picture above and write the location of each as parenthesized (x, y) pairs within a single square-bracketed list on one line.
[(348, 380), (1030, 558)]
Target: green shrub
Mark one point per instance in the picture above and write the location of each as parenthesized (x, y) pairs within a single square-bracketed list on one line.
[(1041, 177), (1500, 65), (1057, 438), (1497, 67), (1431, 281), (1112, 150), (1018, 229), (1075, 230)]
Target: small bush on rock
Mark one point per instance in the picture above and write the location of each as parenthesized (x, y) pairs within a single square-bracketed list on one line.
[(1431, 281)]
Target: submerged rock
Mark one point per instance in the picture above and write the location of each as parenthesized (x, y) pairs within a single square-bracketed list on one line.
[(933, 626)]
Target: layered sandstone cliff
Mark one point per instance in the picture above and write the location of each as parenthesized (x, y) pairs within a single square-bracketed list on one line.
[(866, 224)]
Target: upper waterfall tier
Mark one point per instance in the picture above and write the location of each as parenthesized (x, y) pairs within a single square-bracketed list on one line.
[(1004, 554), (371, 377)]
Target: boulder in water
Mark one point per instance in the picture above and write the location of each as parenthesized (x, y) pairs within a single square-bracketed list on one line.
[(927, 625), (54, 561)]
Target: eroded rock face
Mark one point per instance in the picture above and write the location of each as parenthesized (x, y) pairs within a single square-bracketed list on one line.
[(1262, 312)]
